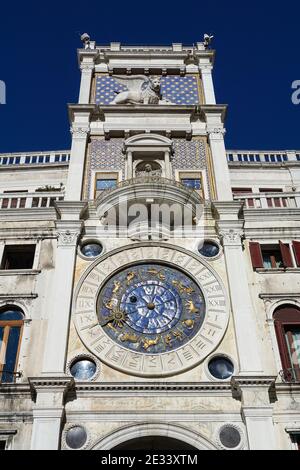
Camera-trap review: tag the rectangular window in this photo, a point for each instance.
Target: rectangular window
(230, 157)
(270, 256)
(193, 183)
(18, 257)
(107, 183)
(2, 445)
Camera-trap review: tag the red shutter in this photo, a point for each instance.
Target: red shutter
(282, 346)
(296, 246)
(256, 256)
(286, 255)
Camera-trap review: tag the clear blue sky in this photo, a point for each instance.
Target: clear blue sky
(258, 57)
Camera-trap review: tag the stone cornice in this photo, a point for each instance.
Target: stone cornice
(75, 109)
(155, 387)
(12, 390)
(50, 384)
(70, 210)
(239, 382)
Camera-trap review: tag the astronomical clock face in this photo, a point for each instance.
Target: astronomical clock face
(150, 310)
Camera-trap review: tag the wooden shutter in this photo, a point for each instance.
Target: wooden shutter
(296, 247)
(286, 255)
(282, 346)
(256, 256)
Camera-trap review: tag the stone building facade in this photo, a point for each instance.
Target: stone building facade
(150, 278)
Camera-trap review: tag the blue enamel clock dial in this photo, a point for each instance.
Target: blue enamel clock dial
(151, 308)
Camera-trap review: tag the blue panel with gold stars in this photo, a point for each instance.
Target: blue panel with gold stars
(175, 88)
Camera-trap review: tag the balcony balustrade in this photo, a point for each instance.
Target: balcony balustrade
(269, 200)
(29, 200)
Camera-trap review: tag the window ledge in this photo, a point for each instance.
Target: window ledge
(19, 272)
(276, 270)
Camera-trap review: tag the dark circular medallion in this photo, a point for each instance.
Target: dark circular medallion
(76, 437)
(230, 437)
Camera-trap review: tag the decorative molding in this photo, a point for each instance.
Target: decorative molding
(253, 381)
(51, 384)
(156, 387)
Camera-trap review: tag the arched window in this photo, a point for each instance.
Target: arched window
(11, 325)
(287, 326)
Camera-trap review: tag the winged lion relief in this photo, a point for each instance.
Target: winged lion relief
(140, 90)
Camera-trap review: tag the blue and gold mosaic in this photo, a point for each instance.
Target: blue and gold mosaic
(151, 308)
(175, 88)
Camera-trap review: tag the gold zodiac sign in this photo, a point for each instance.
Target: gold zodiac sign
(191, 306)
(110, 304)
(157, 273)
(129, 337)
(182, 288)
(189, 323)
(117, 319)
(178, 335)
(117, 286)
(168, 340)
(130, 276)
(150, 342)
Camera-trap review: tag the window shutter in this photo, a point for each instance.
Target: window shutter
(285, 360)
(296, 246)
(286, 255)
(256, 256)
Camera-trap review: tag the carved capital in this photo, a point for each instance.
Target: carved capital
(68, 237)
(216, 133)
(80, 132)
(87, 68)
(230, 236)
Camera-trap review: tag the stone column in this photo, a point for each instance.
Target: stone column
(86, 83)
(214, 116)
(87, 60)
(208, 86)
(168, 165)
(48, 411)
(68, 231)
(230, 230)
(129, 165)
(80, 132)
(257, 411)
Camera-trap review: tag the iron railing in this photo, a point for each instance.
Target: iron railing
(291, 375)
